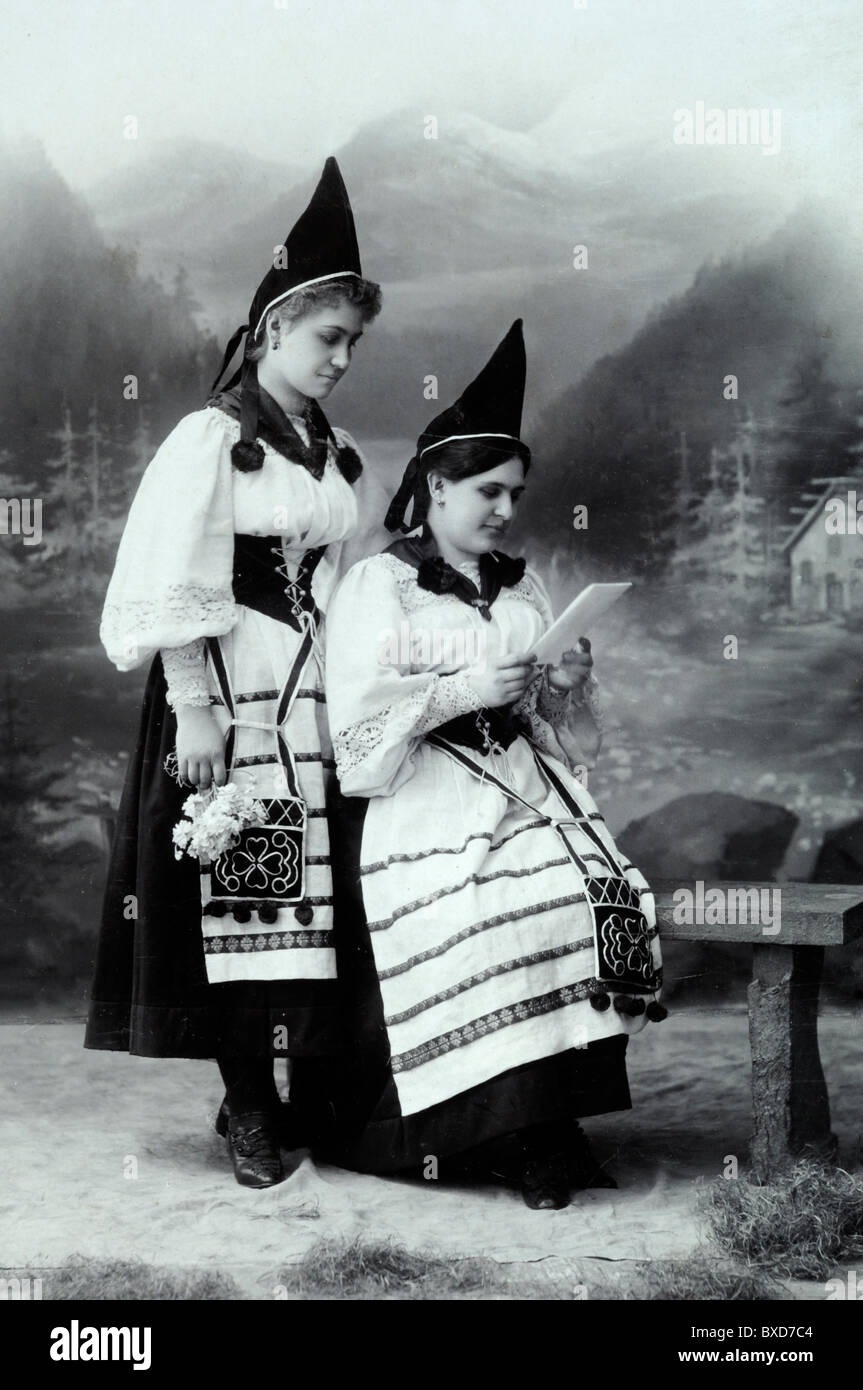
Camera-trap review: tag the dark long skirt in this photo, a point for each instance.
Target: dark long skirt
(150, 992)
(369, 1134)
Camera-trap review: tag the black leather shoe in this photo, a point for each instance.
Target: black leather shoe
(254, 1148)
(582, 1166)
(288, 1128)
(545, 1183)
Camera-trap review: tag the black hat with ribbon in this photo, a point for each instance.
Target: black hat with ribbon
(488, 411)
(321, 246)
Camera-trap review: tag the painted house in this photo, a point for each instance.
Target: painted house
(825, 552)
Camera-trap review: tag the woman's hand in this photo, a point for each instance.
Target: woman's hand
(574, 669)
(503, 679)
(200, 747)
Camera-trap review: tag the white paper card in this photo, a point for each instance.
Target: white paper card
(576, 621)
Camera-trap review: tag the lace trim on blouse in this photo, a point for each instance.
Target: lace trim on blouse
(213, 608)
(411, 716)
(412, 597)
(186, 674)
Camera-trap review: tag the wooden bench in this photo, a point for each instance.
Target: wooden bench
(791, 1108)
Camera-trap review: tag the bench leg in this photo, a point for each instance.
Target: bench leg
(789, 1094)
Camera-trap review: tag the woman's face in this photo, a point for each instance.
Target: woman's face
(314, 352)
(476, 512)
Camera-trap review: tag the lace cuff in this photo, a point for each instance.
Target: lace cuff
(390, 734)
(551, 705)
(539, 707)
(186, 674)
(450, 697)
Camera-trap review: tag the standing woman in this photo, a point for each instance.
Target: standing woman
(232, 547)
(496, 946)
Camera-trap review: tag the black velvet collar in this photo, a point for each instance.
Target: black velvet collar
(276, 429)
(496, 571)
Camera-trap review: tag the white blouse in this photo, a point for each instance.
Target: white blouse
(172, 583)
(393, 670)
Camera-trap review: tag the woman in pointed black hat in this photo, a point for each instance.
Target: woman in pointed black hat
(496, 945)
(216, 935)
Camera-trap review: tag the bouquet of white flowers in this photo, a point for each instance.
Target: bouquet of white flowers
(213, 820)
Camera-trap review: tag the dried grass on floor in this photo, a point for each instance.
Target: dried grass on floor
(132, 1281)
(337, 1268)
(703, 1277)
(383, 1268)
(800, 1226)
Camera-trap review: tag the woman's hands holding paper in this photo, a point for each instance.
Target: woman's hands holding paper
(502, 679)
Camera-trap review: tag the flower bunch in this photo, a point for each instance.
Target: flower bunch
(213, 820)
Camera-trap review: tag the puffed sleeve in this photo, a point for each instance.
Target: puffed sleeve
(379, 710)
(560, 721)
(172, 580)
(370, 536)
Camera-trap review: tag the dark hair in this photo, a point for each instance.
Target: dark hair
(364, 295)
(464, 458)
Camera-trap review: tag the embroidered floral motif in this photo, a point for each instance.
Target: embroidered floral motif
(261, 862)
(492, 1023)
(627, 947)
(273, 941)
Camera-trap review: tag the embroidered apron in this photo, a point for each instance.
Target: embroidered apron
(623, 959)
(257, 912)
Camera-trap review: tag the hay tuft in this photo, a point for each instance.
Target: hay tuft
(132, 1281)
(800, 1226)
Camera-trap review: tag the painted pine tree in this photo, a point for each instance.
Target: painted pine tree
(14, 555)
(84, 507)
(725, 563)
(25, 786)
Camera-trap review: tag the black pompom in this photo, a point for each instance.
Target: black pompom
(215, 909)
(656, 1012)
(247, 457)
(304, 914)
(350, 464)
(600, 1002)
(268, 913)
(242, 913)
(629, 1006)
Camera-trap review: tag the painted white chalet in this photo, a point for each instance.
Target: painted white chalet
(825, 551)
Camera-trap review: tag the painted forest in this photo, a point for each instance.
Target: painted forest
(682, 460)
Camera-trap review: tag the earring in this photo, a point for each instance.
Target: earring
(274, 344)
(439, 501)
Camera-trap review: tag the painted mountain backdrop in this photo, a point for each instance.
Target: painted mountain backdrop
(465, 231)
(116, 302)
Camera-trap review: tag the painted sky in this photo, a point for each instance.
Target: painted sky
(286, 79)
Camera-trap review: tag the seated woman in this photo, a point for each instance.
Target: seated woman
(495, 946)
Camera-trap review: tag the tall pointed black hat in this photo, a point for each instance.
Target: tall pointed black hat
(322, 245)
(488, 410)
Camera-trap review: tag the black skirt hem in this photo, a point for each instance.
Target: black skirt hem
(150, 1031)
(150, 994)
(572, 1085)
